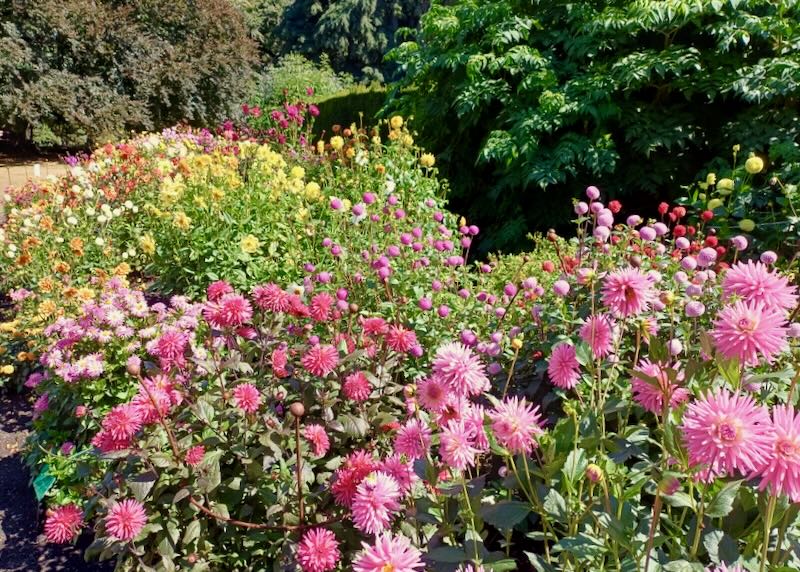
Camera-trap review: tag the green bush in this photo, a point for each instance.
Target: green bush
(293, 74)
(359, 105)
(88, 71)
(633, 95)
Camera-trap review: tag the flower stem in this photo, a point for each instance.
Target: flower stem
(767, 528)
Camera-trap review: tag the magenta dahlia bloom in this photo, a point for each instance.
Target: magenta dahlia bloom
(346, 479)
(564, 370)
(63, 523)
(433, 394)
(316, 435)
(194, 456)
(401, 470)
(598, 332)
(413, 439)
(126, 519)
(318, 551)
(123, 422)
(726, 433)
(247, 397)
(171, 347)
(457, 445)
(272, 297)
(375, 503)
(217, 290)
(460, 369)
(754, 282)
(627, 292)
(651, 395)
(745, 329)
(400, 339)
(230, 311)
(516, 423)
(357, 386)
(320, 360)
(320, 307)
(781, 473)
(389, 554)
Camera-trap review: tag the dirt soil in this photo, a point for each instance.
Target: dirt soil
(22, 545)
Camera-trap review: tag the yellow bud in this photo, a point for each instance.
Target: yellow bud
(711, 179)
(396, 122)
(754, 165)
(725, 186)
(516, 343)
(714, 204)
(747, 225)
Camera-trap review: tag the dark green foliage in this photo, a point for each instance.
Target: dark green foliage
(519, 97)
(359, 106)
(80, 71)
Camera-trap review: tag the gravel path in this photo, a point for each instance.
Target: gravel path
(22, 546)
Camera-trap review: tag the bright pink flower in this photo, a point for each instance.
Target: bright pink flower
(106, 443)
(627, 292)
(564, 370)
(320, 306)
(63, 523)
(746, 329)
(271, 297)
(433, 394)
(41, 404)
(346, 479)
(320, 360)
(651, 396)
(171, 347)
(516, 424)
(217, 290)
(598, 332)
(126, 519)
(318, 551)
(413, 439)
(754, 282)
(194, 456)
(375, 503)
(357, 387)
(247, 397)
(457, 445)
(316, 435)
(725, 433)
(374, 326)
(781, 473)
(459, 368)
(401, 471)
(400, 339)
(279, 360)
(389, 554)
(230, 311)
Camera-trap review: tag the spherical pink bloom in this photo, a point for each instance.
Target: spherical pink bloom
(627, 292)
(457, 445)
(561, 288)
(374, 326)
(320, 360)
(746, 329)
(564, 370)
(781, 473)
(271, 297)
(389, 554)
(725, 433)
(230, 311)
(279, 360)
(402, 471)
(320, 306)
(460, 369)
(123, 422)
(754, 282)
(194, 456)
(318, 551)
(598, 332)
(413, 439)
(400, 339)
(357, 386)
(125, 520)
(516, 423)
(375, 502)
(81, 411)
(346, 479)
(171, 347)
(217, 290)
(316, 435)
(433, 394)
(63, 523)
(651, 393)
(247, 397)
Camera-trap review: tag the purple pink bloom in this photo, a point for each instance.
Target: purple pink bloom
(375, 503)
(247, 397)
(357, 387)
(460, 369)
(316, 435)
(627, 292)
(413, 439)
(598, 332)
(457, 445)
(656, 385)
(125, 520)
(389, 554)
(746, 329)
(564, 370)
(754, 282)
(63, 523)
(516, 424)
(781, 472)
(318, 551)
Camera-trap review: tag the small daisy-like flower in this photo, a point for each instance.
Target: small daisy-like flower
(63, 523)
(563, 369)
(598, 332)
(516, 424)
(375, 503)
(194, 456)
(125, 520)
(247, 397)
(413, 439)
(627, 292)
(320, 360)
(457, 445)
(389, 554)
(781, 473)
(316, 435)
(457, 366)
(652, 396)
(754, 282)
(357, 387)
(746, 329)
(318, 551)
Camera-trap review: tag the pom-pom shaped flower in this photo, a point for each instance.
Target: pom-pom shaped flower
(346, 479)
(316, 435)
(457, 366)
(123, 422)
(230, 311)
(516, 423)
(375, 502)
(194, 456)
(400, 339)
(318, 551)
(627, 292)
(563, 369)
(389, 554)
(357, 387)
(247, 397)
(125, 520)
(63, 523)
(320, 360)
(655, 386)
(320, 307)
(746, 329)
(217, 290)
(755, 282)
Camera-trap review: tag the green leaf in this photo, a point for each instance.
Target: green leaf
(582, 546)
(721, 547)
(447, 554)
(575, 465)
(192, 532)
(722, 503)
(142, 484)
(43, 482)
(504, 515)
(556, 506)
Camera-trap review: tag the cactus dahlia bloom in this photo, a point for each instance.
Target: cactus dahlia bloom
(564, 369)
(389, 553)
(126, 519)
(375, 502)
(746, 329)
(318, 551)
(516, 423)
(63, 523)
(754, 282)
(627, 292)
(781, 474)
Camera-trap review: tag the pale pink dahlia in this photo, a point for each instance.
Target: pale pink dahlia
(389, 554)
(746, 329)
(656, 385)
(413, 439)
(598, 332)
(726, 433)
(516, 423)
(318, 551)
(375, 502)
(457, 366)
(433, 394)
(320, 360)
(627, 292)
(247, 397)
(357, 386)
(781, 473)
(316, 435)
(63, 523)
(564, 370)
(194, 456)
(126, 519)
(754, 282)
(457, 445)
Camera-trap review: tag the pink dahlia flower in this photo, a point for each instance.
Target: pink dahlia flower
(564, 370)
(389, 554)
(746, 329)
(402, 471)
(320, 307)
(433, 394)
(271, 297)
(413, 439)
(457, 366)
(400, 339)
(658, 386)
(375, 503)
(320, 360)
(516, 423)
(357, 387)
(316, 435)
(63, 523)
(346, 479)
(217, 290)
(126, 519)
(727, 433)
(781, 473)
(123, 422)
(230, 311)
(374, 326)
(194, 456)
(627, 292)
(457, 445)
(318, 551)
(279, 360)
(598, 332)
(754, 282)
(247, 397)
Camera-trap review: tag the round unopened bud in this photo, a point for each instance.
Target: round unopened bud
(594, 473)
(636, 261)
(297, 409)
(192, 558)
(551, 235)
(516, 343)
(134, 367)
(669, 485)
(353, 308)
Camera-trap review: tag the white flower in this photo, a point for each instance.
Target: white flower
(124, 256)
(90, 211)
(135, 209)
(88, 193)
(72, 220)
(99, 241)
(12, 247)
(117, 211)
(102, 219)
(59, 239)
(106, 208)
(128, 205)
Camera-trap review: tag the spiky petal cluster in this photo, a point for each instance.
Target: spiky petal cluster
(389, 554)
(320, 360)
(457, 445)
(413, 439)
(271, 297)
(627, 292)
(247, 397)
(357, 386)
(516, 423)
(460, 369)
(316, 435)
(346, 479)
(781, 473)
(318, 551)
(598, 332)
(375, 502)
(126, 519)
(63, 523)
(230, 311)
(755, 282)
(656, 384)
(744, 330)
(563, 369)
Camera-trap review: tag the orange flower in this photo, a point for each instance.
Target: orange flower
(61, 267)
(122, 269)
(46, 223)
(76, 245)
